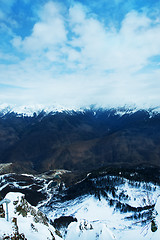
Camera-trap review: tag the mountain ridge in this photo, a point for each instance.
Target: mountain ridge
(79, 140)
(31, 110)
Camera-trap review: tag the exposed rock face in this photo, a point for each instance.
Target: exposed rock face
(2, 212)
(22, 207)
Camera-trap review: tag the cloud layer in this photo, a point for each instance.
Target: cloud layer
(73, 57)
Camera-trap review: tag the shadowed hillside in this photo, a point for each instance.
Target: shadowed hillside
(79, 140)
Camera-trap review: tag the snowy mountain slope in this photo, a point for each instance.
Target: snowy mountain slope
(30, 110)
(36, 189)
(126, 211)
(98, 207)
(84, 230)
(111, 226)
(25, 221)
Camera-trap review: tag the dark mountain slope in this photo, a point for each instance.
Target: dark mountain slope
(80, 140)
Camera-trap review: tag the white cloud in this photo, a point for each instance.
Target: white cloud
(127, 49)
(47, 33)
(8, 57)
(73, 58)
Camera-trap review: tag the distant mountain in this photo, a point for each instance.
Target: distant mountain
(79, 140)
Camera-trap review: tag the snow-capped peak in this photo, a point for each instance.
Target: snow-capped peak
(30, 110)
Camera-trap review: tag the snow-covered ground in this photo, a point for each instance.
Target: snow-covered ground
(107, 221)
(104, 220)
(98, 217)
(30, 222)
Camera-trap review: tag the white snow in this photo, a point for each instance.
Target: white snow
(86, 231)
(40, 232)
(105, 218)
(29, 110)
(97, 220)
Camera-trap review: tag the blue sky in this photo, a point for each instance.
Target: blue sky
(78, 53)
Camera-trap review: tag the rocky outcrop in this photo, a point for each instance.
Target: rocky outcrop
(25, 221)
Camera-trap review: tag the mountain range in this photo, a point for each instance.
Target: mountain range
(79, 140)
(89, 174)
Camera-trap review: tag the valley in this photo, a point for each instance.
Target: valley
(93, 174)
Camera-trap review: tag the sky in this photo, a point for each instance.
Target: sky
(77, 53)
